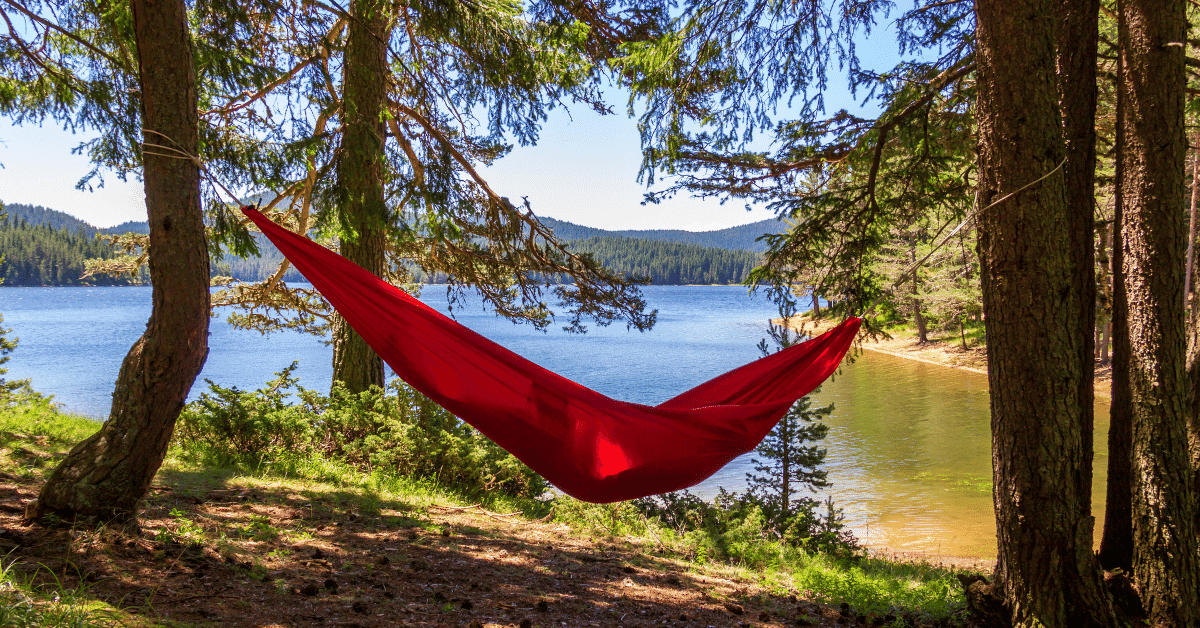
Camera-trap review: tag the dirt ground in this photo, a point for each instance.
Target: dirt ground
(272, 556)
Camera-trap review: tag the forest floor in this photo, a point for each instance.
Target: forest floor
(227, 547)
(942, 348)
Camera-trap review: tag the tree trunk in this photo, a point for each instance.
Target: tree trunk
(360, 171)
(105, 476)
(1191, 237)
(1038, 292)
(1154, 236)
(1104, 298)
(918, 318)
(1193, 351)
(1116, 542)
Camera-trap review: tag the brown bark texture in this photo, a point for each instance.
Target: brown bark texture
(1192, 302)
(1038, 292)
(104, 477)
(1116, 541)
(1154, 238)
(360, 172)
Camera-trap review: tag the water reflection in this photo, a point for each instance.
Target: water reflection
(910, 456)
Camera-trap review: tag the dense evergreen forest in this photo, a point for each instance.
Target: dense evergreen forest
(670, 263)
(38, 215)
(664, 263)
(740, 238)
(47, 255)
(45, 247)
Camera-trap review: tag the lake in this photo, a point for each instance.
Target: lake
(909, 443)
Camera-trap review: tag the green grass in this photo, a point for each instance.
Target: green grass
(34, 436)
(880, 586)
(24, 604)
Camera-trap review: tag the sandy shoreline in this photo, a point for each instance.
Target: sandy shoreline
(942, 349)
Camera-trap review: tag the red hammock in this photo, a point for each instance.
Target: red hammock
(588, 445)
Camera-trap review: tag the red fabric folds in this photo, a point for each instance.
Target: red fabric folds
(588, 445)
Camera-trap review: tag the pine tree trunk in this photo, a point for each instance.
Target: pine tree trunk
(1164, 503)
(360, 172)
(1038, 292)
(104, 477)
(1116, 541)
(1104, 293)
(918, 318)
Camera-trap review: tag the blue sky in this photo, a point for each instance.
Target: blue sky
(583, 170)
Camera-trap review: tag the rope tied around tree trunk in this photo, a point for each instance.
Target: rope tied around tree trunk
(178, 152)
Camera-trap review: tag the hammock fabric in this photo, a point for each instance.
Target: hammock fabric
(590, 446)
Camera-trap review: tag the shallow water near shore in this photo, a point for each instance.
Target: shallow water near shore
(909, 442)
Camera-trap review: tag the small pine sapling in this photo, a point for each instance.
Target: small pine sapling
(6, 347)
(788, 471)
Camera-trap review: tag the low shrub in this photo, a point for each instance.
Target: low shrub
(396, 431)
(740, 528)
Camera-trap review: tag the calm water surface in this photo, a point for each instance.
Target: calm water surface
(909, 444)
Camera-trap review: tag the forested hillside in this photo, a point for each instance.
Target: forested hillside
(670, 263)
(667, 257)
(742, 237)
(256, 268)
(38, 215)
(43, 255)
(665, 263)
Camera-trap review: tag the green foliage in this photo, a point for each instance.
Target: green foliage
(38, 215)
(40, 255)
(846, 183)
(661, 262)
(879, 586)
(15, 390)
(21, 606)
(740, 238)
(791, 464)
(396, 432)
(736, 527)
(670, 263)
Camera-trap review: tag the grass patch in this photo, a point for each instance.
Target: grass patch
(26, 603)
(256, 523)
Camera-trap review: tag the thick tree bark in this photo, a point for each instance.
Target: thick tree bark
(1154, 237)
(1116, 541)
(1038, 291)
(105, 476)
(360, 172)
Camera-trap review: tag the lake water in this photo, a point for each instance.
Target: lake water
(909, 443)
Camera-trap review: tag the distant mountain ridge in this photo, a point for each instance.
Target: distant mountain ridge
(740, 238)
(665, 256)
(38, 215)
